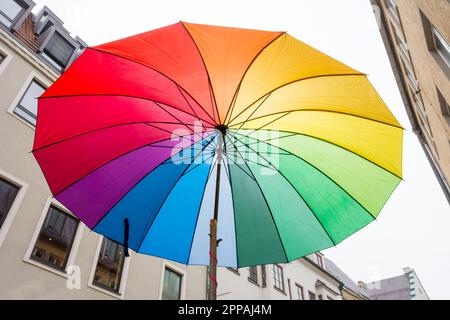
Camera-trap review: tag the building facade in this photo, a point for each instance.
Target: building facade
(45, 252)
(311, 278)
(404, 287)
(416, 34)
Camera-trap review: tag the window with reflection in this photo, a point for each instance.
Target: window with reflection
(59, 50)
(9, 11)
(8, 193)
(27, 107)
(171, 285)
(110, 262)
(55, 240)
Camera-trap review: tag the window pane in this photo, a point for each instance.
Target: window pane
(8, 193)
(2, 57)
(172, 285)
(27, 107)
(108, 273)
(59, 49)
(442, 46)
(253, 274)
(55, 239)
(9, 10)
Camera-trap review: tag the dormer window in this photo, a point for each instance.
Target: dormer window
(59, 51)
(10, 11)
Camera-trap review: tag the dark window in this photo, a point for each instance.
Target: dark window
(299, 292)
(445, 107)
(108, 272)
(8, 193)
(171, 285)
(55, 239)
(320, 297)
(9, 11)
(59, 50)
(27, 107)
(312, 295)
(2, 57)
(253, 274)
(278, 278)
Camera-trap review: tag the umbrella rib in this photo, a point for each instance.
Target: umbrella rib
(211, 89)
(126, 96)
(312, 211)
(265, 200)
(198, 212)
(162, 203)
(147, 66)
(326, 175)
(101, 129)
(291, 82)
(326, 141)
(236, 92)
(104, 164)
(317, 110)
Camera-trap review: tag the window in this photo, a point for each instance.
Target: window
(171, 285)
(441, 46)
(8, 193)
(393, 9)
(445, 107)
(278, 277)
(27, 107)
(108, 272)
(312, 295)
(320, 297)
(436, 42)
(2, 57)
(299, 292)
(59, 50)
(55, 239)
(9, 11)
(263, 276)
(319, 260)
(253, 274)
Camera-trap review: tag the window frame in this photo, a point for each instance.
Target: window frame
(24, 8)
(31, 76)
(75, 243)
(51, 59)
(281, 280)
(253, 275)
(8, 57)
(23, 187)
(182, 273)
(297, 287)
(435, 33)
(311, 294)
(120, 294)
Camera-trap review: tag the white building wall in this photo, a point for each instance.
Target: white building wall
(302, 272)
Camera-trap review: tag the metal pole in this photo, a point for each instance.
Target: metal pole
(213, 225)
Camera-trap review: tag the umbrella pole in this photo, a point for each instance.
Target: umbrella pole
(213, 226)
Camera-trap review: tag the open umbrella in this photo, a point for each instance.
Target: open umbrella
(205, 144)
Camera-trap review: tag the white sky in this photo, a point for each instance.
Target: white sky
(412, 229)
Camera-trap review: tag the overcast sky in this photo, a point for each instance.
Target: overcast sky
(412, 229)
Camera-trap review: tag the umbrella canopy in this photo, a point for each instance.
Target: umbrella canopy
(135, 131)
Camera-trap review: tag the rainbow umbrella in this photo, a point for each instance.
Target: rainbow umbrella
(204, 144)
